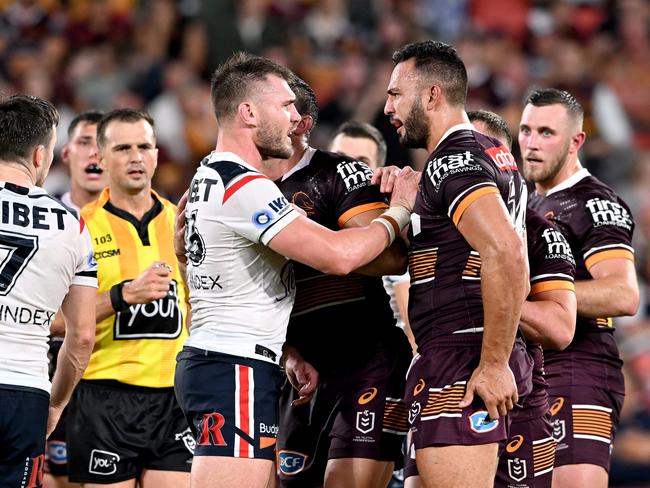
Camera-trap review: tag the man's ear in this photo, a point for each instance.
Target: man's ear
(38, 156)
(305, 125)
(65, 154)
(247, 113)
(434, 97)
(577, 140)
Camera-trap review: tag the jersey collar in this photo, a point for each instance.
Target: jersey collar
(227, 156)
(570, 181)
(304, 161)
(455, 128)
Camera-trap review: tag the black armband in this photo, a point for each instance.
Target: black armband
(117, 299)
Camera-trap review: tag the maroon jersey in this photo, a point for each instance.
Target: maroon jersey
(552, 267)
(598, 225)
(336, 320)
(445, 294)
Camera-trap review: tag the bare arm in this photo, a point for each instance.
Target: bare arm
(612, 292)
(549, 318)
(504, 286)
(401, 290)
(76, 349)
(392, 260)
(344, 251)
(58, 325)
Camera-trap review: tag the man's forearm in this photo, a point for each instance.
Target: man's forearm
(504, 286)
(545, 322)
(603, 297)
(72, 361)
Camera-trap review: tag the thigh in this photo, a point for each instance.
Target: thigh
(527, 460)
(106, 432)
(571, 475)
(230, 472)
(458, 466)
(231, 404)
(152, 478)
(584, 421)
(357, 473)
(23, 423)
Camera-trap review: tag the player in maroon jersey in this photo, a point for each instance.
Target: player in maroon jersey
(586, 385)
(471, 202)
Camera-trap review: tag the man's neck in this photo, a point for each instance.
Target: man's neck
(137, 204)
(16, 173)
(444, 120)
(569, 168)
(277, 168)
(241, 144)
(81, 197)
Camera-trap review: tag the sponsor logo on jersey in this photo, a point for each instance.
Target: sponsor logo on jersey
(480, 423)
(57, 452)
(419, 387)
(203, 282)
(354, 174)
(368, 396)
(194, 242)
(517, 469)
(557, 406)
(262, 219)
(606, 212)
(106, 254)
(268, 429)
(161, 318)
(502, 158)
(557, 245)
(365, 421)
(444, 166)
(515, 443)
(279, 205)
(187, 438)
(291, 462)
(103, 462)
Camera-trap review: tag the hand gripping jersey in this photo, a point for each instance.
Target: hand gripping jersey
(552, 267)
(445, 294)
(138, 346)
(44, 248)
(241, 291)
(336, 320)
(598, 225)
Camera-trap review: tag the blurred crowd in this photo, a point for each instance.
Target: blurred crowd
(158, 55)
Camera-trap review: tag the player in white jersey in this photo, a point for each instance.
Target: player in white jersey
(87, 180)
(46, 263)
(239, 228)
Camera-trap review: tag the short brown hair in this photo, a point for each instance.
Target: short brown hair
(122, 115)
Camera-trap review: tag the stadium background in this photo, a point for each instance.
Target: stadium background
(158, 55)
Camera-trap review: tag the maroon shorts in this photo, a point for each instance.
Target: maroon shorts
(584, 421)
(358, 415)
(436, 384)
(527, 460)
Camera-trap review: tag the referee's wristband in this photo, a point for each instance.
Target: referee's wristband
(394, 219)
(117, 299)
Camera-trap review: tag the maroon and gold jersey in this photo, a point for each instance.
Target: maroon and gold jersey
(552, 267)
(336, 320)
(598, 225)
(445, 294)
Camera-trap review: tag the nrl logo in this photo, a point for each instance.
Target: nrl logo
(517, 469)
(559, 430)
(414, 411)
(365, 421)
(187, 438)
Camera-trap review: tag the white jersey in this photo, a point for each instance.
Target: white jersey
(241, 291)
(44, 248)
(389, 285)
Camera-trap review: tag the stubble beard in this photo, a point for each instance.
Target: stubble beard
(547, 172)
(416, 130)
(270, 143)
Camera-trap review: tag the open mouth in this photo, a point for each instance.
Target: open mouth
(94, 169)
(396, 123)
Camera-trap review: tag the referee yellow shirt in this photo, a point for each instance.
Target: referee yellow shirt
(137, 346)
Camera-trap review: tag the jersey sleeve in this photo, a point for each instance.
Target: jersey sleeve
(86, 272)
(452, 182)
(552, 266)
(352, 192)
(257, 210)
(606, 228)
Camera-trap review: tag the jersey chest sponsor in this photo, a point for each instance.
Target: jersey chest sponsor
(354, 174)
(442, 167)
(606, 212)
(557, 246)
